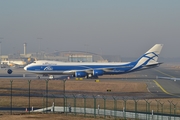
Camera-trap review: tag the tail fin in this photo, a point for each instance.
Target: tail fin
(150, 57)
(154, 52)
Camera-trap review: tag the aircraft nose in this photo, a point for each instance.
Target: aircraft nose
(25, 68)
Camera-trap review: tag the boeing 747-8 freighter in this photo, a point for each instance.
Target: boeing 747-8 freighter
(88, 70)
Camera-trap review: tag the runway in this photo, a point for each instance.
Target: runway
(168, 87)
(157, 87)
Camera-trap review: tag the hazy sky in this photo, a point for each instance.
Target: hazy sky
(119, 27)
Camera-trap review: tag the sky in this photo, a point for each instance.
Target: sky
(110, 27)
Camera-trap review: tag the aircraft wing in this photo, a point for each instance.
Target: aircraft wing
(88, 70)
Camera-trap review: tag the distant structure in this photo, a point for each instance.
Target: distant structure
(25, 45)
(64, 56)
(80, 58)
(75, 56)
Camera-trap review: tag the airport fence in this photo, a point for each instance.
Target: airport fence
(29, 96)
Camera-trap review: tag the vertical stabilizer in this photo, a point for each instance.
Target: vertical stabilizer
(154, 52)
(149, 58)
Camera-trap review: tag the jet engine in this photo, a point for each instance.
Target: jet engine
(98, 72)
(80, 74)
(9, 71)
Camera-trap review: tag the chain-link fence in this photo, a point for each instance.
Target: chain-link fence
(44, 96)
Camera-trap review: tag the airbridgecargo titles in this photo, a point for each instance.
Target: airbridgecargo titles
(88, 70)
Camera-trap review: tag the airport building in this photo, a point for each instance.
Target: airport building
(80, 58)
(74, 56)
(64, 56)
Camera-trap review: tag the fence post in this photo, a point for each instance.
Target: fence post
(94, 106)
(11, 81)
(43, 103)
(115, 107)
(104, 107)
(174, 106)
(53, 102)
(124, 108)
(29, 82)
(148, 109)
(157, 108)
(64, 92)
(84, 97)
(46, 94)
(135, 102)
(66, 103)
(161, 109)
(170, 105)
(74, 97)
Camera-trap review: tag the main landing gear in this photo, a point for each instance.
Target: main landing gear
(38, 77)
(51, 77)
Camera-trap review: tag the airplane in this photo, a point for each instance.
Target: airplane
(14, 63)
(9, 66)
(94, 69)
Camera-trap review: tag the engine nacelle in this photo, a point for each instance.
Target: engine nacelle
(9, 71)
(98, 72)
(80, 74)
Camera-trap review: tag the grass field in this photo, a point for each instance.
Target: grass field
(72, 85)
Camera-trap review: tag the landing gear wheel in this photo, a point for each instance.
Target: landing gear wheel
(89, 76)
(51, 77)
